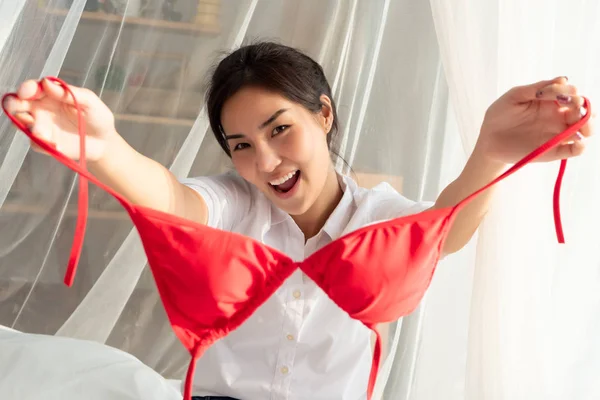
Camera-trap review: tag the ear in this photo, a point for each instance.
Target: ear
(326, 115)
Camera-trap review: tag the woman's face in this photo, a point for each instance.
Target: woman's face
(279, 146)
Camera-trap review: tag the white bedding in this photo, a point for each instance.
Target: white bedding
(43, 367)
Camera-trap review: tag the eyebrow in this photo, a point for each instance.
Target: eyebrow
(261, 126)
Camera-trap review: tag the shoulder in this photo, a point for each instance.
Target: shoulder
(228, 181)
(221, 188)
(382, 202)
(228, 197)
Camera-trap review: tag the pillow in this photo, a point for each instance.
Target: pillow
(52, 368)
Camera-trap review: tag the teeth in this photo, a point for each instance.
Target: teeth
(283, 179)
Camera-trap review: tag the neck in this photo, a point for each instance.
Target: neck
(313, 220)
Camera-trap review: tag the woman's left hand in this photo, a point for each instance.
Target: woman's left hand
(527, 116)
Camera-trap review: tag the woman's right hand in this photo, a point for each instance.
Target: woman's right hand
(51, 115)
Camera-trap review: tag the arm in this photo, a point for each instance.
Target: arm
(477, 173)
(146, 182)
(50, 111)
(514, 125)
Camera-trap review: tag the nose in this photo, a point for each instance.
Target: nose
(267, 158)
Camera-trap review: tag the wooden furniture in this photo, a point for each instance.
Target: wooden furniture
(203, 24)
(370, 180)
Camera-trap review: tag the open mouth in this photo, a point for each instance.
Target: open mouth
(286, 183)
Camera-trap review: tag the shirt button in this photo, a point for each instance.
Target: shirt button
(284, 370)
(290, 337)
(297, 294)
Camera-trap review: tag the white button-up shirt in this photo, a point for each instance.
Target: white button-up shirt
(298, 345)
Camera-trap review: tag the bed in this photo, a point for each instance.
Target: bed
(52, 368)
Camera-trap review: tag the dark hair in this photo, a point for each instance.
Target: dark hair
(271, 66)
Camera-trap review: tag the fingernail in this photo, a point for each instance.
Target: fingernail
(539, 94)
(562, 99)
(38, 92)
(10, 105)
(580, 137)
(566, 77)
(582, 111)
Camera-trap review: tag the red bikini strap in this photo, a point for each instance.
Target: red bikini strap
(79, 167)
(556, 202)
(375, 362)
(189, 377)
(555, 141)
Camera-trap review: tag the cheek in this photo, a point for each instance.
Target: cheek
(307, 147)
(244, 166)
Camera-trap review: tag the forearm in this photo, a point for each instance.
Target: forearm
(146, 182)
(477, 173)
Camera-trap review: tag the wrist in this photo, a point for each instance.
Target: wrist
(482, 166)
(116, 151)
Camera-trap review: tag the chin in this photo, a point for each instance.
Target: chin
(293, 207)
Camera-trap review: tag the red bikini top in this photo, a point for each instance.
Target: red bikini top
(210, 281)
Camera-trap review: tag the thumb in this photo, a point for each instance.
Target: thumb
(522, 94)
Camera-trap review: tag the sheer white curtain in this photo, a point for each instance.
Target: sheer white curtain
(534, 312)
(389, 63)
(10, 12)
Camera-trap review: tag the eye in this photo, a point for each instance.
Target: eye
(280, 129)
(240, 146)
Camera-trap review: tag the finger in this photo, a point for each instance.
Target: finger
(573, 111)
(25, 118)
(527, 93)
(577, 137)
(570, 150)
(42, 128)
(587, 130)
(562, 93)
(15, 105)
(56, 91)
(30, 90)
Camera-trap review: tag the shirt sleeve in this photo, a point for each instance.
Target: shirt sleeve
(228, 198)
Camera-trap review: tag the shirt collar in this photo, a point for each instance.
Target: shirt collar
(339, 218)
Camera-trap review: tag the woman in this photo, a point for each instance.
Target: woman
(272, 112)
